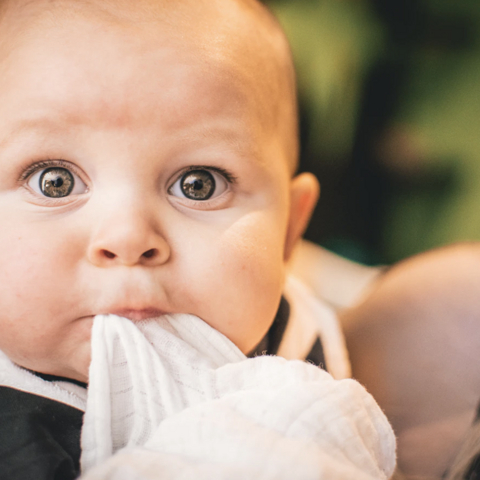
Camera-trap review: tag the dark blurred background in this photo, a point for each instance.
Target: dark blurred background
(389, 94)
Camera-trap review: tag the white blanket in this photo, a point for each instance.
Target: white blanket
(174, 399)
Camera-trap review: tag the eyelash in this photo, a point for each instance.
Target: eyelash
(64, 164)
(229, 177)
(43, 164)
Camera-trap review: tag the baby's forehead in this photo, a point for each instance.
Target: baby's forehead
(218, 21)
(233, 35)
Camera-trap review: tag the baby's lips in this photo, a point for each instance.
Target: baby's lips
(137, 314)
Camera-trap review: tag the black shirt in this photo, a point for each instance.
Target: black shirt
(39, 437)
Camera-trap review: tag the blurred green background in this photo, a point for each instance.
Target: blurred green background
(389, 112)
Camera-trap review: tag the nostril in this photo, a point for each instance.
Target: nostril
(108, 254)
(150, 253)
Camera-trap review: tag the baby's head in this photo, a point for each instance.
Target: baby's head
(147, 153)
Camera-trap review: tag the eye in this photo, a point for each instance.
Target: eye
(199, 184)
(56, 182)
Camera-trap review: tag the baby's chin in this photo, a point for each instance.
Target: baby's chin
(75, 363)
(81, 372)
(68, 371)
(77, 367)
(76, 370)
(73, 366)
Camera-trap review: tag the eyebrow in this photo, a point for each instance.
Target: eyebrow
(20, 127)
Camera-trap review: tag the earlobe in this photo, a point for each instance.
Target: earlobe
(304, 193)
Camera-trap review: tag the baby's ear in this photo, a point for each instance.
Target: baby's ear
(304, 193)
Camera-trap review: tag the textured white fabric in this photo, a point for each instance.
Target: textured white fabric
(18, 378)
(175, 399)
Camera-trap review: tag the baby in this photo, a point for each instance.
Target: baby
(143, 148)
(147, 160)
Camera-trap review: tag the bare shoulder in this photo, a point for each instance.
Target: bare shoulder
(457, 262)
(448, 276)
(413, 343)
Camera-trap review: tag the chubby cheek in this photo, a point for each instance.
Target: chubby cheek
(37, 278)
(241, 281)
(33, 270)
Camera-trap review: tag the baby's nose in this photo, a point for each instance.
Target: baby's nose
(119, 251)
(128, 240)
(131, 258)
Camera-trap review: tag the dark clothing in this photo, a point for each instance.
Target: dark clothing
(270, 343)
(473, 472)
(39, 437)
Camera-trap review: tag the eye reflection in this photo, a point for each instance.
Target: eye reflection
(198, 185)
(56, 182)
(201, 184)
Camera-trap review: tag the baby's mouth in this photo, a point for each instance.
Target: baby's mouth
(138, 314)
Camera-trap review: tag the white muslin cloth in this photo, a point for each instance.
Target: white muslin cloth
(172, 398)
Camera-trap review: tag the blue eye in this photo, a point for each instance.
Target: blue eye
(56, 182)
(201, 184)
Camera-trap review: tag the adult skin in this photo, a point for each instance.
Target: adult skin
(414, 344)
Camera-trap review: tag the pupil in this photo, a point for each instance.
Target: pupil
(56, 182)
(198, 184)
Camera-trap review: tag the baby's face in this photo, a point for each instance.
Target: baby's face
(137, 177)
